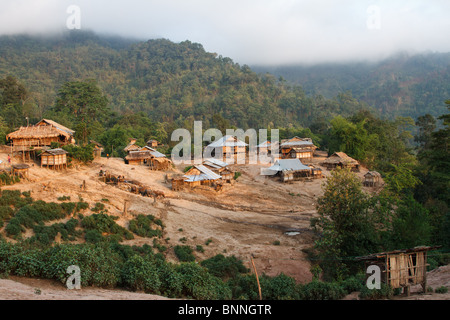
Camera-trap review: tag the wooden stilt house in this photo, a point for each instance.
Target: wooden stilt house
(28, 140)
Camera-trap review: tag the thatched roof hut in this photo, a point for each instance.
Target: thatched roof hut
(40, 135)
(372, 179)
(341, 160)
(137, 157)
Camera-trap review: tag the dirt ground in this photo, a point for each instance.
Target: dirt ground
(250, 218)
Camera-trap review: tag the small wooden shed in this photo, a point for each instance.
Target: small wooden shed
(98, 149)
(372, 179)
(152, 143)
(20, 169)
(401, 268)
(55, 158)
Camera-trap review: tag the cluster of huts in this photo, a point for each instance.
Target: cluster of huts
(146, 155)
(212, 173)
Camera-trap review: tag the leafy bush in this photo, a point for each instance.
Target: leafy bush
(319, 290)
(385, 292)
(98, 207)
(6, 213)
(184, 253)
(140, 274)
(280, 287)
(99, 265)
(104, 223)
(442, 289)
(15, 198)
(142, 226)
(199, 284)
(84, 154)
(93, 236)
(224, 267)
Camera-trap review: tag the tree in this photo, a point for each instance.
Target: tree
(346, 222)
(85, 103)
(12, 98)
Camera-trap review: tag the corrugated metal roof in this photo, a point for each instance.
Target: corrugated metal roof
(206, 174)
(215, 163)
(227, 141)
(289, 165)
(297, 143)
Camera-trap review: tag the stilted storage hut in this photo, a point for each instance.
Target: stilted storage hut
(54, 158)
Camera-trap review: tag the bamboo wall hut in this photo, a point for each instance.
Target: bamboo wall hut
(137, 157)
(54, 158)
(372, 179)
(39, 137)
(401, 268)
(300, 148)
(229, 148)
(341, 160)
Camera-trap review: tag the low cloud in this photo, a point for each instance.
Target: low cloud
(254, 31)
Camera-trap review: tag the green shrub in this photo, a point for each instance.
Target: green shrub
(140, 274)
(442, 289)
(93, 236)
(104, 223)
(142, 226)
(280, 287)
(99, 265)
(6, 213)
(199, 284)
(319, 290)
(385, 292)
(84, 154)
(98, 207)
(224, 267)
(184, 253)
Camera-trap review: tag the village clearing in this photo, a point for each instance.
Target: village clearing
(256, 216)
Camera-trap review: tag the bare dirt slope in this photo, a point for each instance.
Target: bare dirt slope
(248, 218)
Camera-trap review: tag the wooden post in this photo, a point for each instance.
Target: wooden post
(257, 278)
(125, 208)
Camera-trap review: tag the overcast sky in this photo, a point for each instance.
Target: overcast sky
(252, 31)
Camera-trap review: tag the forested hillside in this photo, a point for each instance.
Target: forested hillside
(165, 80)
(405, 85)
